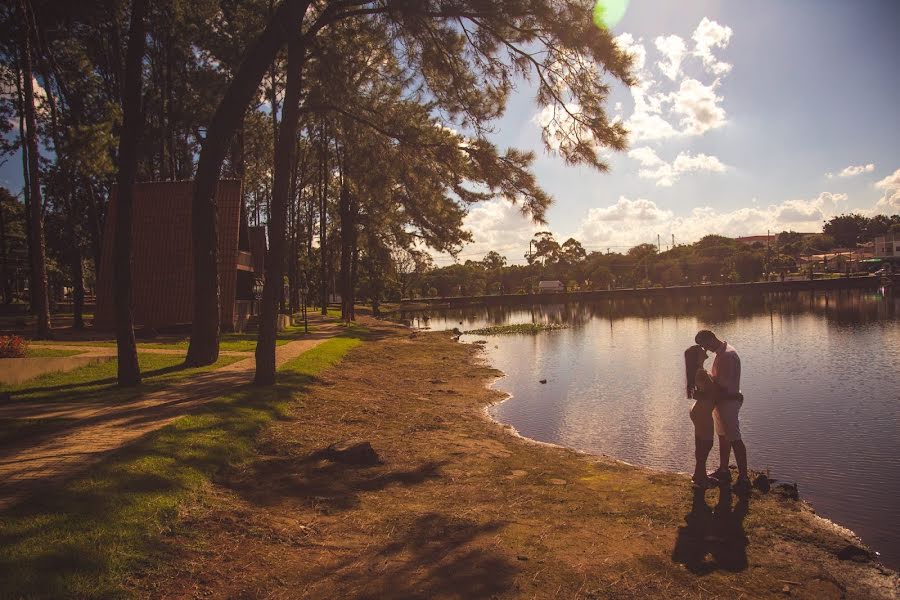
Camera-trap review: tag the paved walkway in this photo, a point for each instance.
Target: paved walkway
(96, 428)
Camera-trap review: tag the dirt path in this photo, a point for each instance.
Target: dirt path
(456, 507)
(92, 429)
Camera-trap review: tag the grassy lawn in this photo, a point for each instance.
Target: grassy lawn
(98, 380)
(83, 541)
(50, 352)
(232, 342)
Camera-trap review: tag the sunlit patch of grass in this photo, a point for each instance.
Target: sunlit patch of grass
(82, 541)
(98, 380)
(49, 353)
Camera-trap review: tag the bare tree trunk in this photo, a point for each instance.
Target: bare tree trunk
(323, 223)
(129, 372)
(94, 227)
(284, 159)
(348, 244)
(204, 346)
(26, 179)
(4, 259)
(38, 259)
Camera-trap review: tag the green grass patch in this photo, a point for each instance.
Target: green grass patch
(98, 380)
(83, 541)
(232, 342)
(50, 352)
(520, 328)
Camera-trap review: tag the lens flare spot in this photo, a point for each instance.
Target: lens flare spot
(608, 13)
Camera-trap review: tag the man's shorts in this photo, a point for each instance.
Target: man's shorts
(725, 416)
(701, 415)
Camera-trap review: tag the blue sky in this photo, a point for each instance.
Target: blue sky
(768, 100)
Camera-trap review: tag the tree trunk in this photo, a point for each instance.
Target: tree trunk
(354, 270)
(204, 345)
(26, 191)
(284, 159)
(129, 372)
(94, 227)
(4, 259)
(38, 260)
(323, 237)
(348, 244)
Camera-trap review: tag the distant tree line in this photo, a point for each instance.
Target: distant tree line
(714, 259)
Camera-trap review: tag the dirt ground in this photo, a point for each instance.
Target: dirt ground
(457, 507)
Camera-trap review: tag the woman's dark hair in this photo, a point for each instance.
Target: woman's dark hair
(691, 364)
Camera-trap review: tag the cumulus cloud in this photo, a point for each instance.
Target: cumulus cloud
(664, 173)
(698, 106)
(691, 109)
(673, 49)
(501, 226)
(630, 222)
(708, 35)
(889, 204)
(852, 171)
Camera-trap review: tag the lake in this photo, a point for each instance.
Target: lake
(821, 381)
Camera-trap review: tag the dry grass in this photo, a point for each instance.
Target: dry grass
(459, 508)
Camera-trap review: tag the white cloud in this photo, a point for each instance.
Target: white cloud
(707, 36)
(631, 222)
(699, 106)
(889, 204)
(673, 50)
(501, 226)
(852, 171)
(665, 174)
(692, 108)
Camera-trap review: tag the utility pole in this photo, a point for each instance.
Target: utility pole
(673, 240)
(658, 245)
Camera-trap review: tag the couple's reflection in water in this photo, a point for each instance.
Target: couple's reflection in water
(713, 537)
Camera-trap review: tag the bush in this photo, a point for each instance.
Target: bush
(12, 346)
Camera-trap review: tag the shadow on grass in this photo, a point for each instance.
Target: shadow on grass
(325, 484)
(106, 381)
(717, 533)
(84, 537)
(434, 555)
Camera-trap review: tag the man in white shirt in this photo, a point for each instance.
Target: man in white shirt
(726, 372)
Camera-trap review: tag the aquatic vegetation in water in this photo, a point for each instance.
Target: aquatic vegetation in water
(526, 328)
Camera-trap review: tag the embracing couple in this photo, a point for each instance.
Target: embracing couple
(717, 402)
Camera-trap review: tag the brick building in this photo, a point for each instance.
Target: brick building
(163, 267)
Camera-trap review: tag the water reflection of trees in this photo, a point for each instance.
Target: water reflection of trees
(846, 307)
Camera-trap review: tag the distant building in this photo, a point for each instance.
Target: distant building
(551, 286)
(163, 267)
(887, 246)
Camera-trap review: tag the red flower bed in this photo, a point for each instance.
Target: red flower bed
(12, 346)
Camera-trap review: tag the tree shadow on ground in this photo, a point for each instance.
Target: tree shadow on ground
(717, 533)
(86, 390)
(326, 484)
(434, 555)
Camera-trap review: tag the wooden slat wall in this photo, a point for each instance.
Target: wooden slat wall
(163, 255)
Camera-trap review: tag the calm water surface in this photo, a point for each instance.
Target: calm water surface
(821, 381)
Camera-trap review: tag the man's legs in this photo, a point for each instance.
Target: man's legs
(724, 453)
(740, 455)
